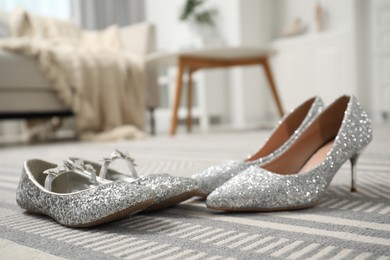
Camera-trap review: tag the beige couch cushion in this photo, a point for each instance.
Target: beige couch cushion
(18, 71)
(23, 88)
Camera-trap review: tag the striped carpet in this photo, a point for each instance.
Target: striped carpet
(343, 226)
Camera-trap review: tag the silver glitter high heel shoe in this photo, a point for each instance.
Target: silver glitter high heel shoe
(281, 138)
(74, 197)
(169, 190)
(301, 175)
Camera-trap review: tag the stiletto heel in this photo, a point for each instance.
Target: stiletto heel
(353, 161)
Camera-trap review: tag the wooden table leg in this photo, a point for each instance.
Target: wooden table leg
(189, 101)
(271, 81)
(179, 85)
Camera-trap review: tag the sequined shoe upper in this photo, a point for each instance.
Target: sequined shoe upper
(281, 138)
(301, 175)
(165, 186)
(74, 198)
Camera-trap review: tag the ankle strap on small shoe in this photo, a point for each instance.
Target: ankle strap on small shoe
(77, 166)
(114, 156)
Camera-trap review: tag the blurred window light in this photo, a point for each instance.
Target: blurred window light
(53, 8)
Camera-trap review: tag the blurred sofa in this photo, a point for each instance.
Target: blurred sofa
(26, 93)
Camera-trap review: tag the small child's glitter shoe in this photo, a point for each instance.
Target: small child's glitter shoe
(73, 196)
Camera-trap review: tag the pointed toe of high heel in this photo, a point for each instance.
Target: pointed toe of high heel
(169, 190)
(251, 190)
(216, 175)
(257, 189)
(218, 200)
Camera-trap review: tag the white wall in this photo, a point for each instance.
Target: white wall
(332, 62)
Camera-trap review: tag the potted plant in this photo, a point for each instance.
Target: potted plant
(193, 12)
(201, 21)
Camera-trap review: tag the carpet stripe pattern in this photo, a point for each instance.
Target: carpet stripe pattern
(343, 225)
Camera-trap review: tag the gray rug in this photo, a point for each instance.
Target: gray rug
(343, 226)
